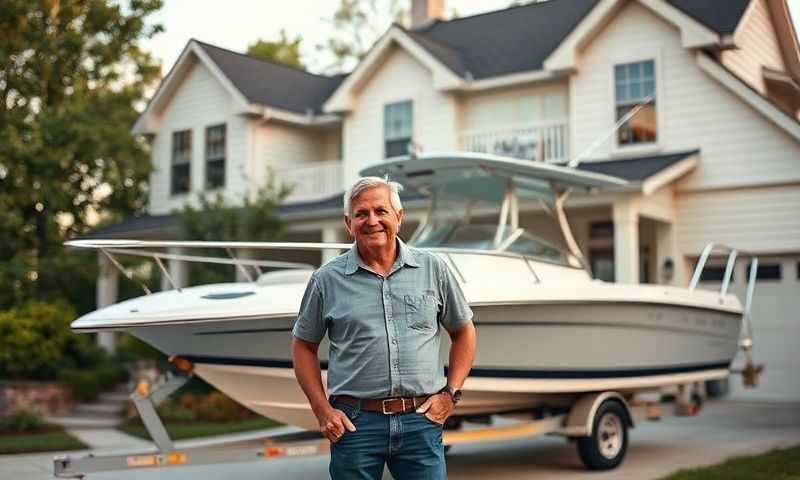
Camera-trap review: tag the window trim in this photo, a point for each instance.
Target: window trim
(224, 158)
(172, 164)
(634, 56)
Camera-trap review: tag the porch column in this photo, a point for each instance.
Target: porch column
(332, 235)
(106, 294)
(667, 255)
(626, 241)
(178, 270)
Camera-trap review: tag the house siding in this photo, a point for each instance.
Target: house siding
(739, 146)
(761, 220)
(201, 101)
(399, 78)
(515, 107)
(757, 45)
(281, 146)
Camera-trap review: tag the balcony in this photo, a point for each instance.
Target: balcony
(313, 181)
(543, 142)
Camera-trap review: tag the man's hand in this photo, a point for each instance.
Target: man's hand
(437, 407)
(333, 422)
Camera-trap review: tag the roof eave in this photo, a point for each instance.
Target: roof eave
(693, 33)
(343, 98)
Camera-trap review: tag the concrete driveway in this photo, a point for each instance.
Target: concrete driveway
(722, 430)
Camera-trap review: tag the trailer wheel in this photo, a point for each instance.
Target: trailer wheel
(606, 446)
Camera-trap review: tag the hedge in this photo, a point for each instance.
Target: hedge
(36, 342)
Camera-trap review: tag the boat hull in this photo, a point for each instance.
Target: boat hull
(529, 354)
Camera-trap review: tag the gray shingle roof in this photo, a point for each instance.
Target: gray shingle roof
(273, 84)
(635, 169)
(519, 39)
(722, 16)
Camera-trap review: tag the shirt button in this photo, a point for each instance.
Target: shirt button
(394, 340)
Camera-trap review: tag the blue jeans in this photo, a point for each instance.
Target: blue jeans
(409, 443)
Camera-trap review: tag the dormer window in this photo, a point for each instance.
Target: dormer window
(181, 162)
(215, 156)
(634, 83)
(397, 128)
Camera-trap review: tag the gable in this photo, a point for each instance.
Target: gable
(757, 46)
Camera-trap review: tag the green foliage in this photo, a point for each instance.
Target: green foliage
(36, 342)
(87, 385)
(21, 421)
(357, 24)
(284, 50)
(72, 74)
(217, 219)
(51, 440)
(775, 464)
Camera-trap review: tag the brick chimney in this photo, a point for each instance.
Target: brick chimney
(425, 11)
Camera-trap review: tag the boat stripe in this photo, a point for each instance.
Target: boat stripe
(698, 330)
(492, 372)
(250, 330)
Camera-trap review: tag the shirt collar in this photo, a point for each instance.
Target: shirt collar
(405, 256)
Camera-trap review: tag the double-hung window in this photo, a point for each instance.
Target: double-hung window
(397, 128)
(215, 156)
(635, 83)
(181, 162)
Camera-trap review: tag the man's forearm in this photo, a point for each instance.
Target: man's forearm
(309, 376)
(462, 353)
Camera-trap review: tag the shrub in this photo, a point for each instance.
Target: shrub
(216, 407)
(36, 342)
(21, 421)
(87, 385)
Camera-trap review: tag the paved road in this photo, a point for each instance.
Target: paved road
(722, 430)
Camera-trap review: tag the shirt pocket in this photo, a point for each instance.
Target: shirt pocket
(421, 312)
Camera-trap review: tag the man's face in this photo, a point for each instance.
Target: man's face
(373, 222)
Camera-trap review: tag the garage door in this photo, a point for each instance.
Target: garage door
(776, 329)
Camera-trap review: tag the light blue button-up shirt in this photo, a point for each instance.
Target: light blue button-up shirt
(384, 332)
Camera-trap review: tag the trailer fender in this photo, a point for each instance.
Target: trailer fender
(581, 416)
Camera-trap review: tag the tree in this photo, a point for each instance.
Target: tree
(217, 219)
(71, 72)
(284, 50)
(357, 24)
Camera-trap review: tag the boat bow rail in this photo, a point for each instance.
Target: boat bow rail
(750, 371)
(154, 251)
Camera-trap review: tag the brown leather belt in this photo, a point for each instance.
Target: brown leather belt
(387, 406)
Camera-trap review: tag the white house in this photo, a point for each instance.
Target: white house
(714, 156)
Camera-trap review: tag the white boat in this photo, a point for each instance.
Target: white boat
(547, 332)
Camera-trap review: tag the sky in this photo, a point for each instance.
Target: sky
(234, 24)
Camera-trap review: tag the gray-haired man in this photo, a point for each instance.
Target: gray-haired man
(382, 305)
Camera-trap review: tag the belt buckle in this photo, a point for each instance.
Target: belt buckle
(385, 401)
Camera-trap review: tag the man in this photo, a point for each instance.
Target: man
(382, 305)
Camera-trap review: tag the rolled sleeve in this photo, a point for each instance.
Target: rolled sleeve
(310, 325)
(455, 311)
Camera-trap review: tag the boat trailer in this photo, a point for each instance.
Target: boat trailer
(599, 422)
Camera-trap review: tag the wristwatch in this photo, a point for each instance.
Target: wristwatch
(455, 395)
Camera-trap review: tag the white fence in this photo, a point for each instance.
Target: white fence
(313, 181)
(545, 142)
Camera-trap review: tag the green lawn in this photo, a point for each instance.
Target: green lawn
(180, 431)
(774, 465)
(47, 441)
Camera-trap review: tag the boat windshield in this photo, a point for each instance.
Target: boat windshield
(475, 226)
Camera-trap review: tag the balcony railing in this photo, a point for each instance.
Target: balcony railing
(313, 181)
(544, 142)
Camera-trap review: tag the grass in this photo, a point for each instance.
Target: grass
(782, 464)
(181, 431)
(48, 440)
